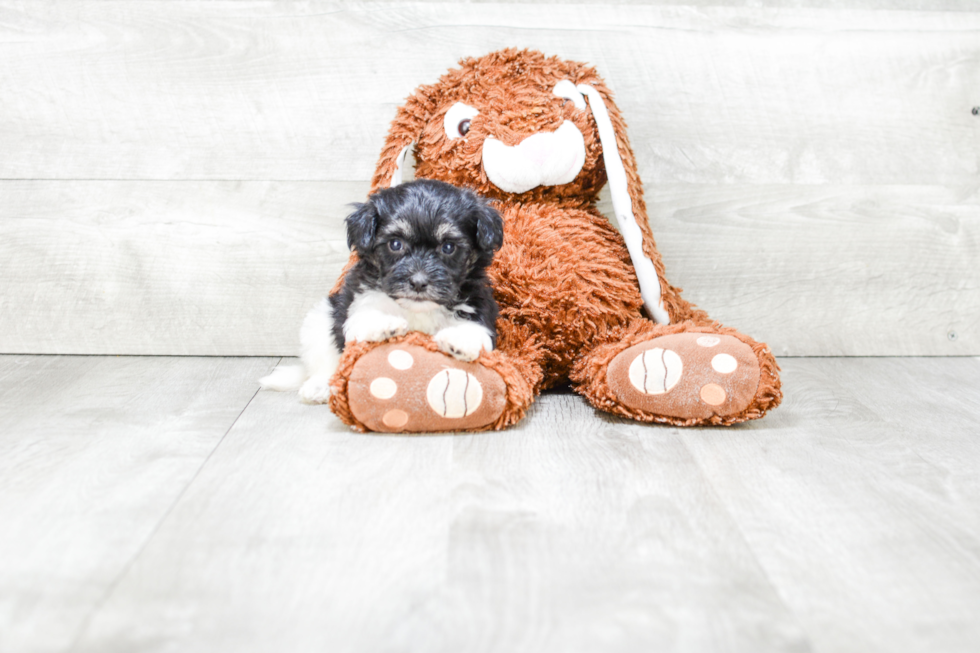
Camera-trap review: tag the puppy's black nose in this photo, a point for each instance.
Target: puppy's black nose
(419, 282)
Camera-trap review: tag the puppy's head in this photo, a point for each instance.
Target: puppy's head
(425, 240)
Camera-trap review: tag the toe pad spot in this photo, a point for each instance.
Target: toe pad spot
(454, 393)
(724, 363)
(656, 371)
(383, 388)
(400, 359)
(713, 394)
(395, 418)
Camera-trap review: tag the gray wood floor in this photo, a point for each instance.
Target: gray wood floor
(163, 504)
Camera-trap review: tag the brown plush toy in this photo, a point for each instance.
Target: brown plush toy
(541, 136)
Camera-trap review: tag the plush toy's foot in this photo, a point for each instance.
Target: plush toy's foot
(405, 388)
(686, 375)
(686, 378)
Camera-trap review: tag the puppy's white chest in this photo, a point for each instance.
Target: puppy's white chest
(427, 317)
(374, 316)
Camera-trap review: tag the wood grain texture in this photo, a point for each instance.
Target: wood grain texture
(166, 268)
(306, 537)
(569, 532)
(860, 499)
(577, 531)
(845, 521)
(220, 268)
(305, 91)
(93, 453)
(174, 174)
(907, 5)
(847, 270)
(890, 5)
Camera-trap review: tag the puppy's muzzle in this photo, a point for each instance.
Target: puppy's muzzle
(421, 279)
(419, 282)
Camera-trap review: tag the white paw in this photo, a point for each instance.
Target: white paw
(316, 390)
(464, 342)
(374, 328)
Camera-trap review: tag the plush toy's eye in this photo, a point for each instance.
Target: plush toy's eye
(395, 245)
(448, 248)
(457, 120)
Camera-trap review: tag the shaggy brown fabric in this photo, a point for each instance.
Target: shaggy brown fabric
(568, 294)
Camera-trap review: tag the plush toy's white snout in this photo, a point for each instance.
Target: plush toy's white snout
(544, 159)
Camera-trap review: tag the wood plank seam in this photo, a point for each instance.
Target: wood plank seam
(163, 518)
(748, 544)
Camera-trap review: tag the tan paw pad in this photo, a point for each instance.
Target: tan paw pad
(686, 376)
(408, 388)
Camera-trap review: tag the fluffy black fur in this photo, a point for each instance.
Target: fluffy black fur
(424, 240)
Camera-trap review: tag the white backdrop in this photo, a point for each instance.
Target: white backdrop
(174, 175)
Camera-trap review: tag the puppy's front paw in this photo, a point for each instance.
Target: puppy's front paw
(375, 329)
(464, 342)
(316, 390)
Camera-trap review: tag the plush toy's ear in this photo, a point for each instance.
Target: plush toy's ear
(489, 228)
(627, 197)
(404, 132)
(362, 225)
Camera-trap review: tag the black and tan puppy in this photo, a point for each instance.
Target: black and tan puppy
(423, 249)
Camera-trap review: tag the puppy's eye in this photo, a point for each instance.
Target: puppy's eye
(448, 248)
(395, 245)
(457, 120)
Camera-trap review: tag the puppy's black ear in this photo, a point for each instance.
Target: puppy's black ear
(362, 225)
(489, 228)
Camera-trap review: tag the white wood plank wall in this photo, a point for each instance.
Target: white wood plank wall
(173, 175)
